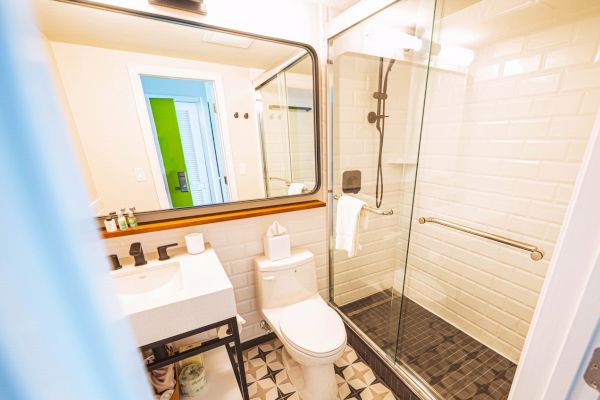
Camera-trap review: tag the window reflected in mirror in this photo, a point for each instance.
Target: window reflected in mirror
(169, 116)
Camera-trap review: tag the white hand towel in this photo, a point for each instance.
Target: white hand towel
(297, 188)
(349, 211)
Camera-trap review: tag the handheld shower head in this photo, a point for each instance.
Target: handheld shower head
(379, 119)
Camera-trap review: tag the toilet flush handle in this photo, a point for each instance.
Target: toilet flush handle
(269, 278)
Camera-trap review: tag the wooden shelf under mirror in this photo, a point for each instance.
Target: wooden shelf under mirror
(212, 218)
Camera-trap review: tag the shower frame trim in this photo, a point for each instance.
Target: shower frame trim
(409, 378)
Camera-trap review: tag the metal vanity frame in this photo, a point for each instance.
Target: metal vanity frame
(231, 342)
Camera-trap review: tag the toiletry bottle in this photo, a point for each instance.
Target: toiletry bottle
(131, 219)
(110, 224)
(121, 219)
(113, 216)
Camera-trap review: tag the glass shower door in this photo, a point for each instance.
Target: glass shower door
(377, 85)
(512, 95)
(495, 104)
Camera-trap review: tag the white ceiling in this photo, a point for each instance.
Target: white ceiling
(485, 21)
(77, 24)
(339, 5)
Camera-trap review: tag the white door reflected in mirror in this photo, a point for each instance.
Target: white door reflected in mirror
(152, 114)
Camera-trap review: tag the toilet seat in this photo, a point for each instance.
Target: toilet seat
(313, 328)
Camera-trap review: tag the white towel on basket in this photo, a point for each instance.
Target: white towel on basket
(350, 217)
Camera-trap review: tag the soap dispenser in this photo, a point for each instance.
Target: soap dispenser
(109, 224)
(121, 221)
(131, 219)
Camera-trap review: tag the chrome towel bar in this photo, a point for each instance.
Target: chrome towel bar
(535, 253)
(378, 211)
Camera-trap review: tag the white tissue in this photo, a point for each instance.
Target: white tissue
(275, 230)
(276, 243)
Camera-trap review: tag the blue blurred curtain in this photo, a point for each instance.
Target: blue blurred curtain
(62, 335)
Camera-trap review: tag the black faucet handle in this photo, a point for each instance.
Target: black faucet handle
(162, 251)
(138, 254)
(135, 249)
(114, 259)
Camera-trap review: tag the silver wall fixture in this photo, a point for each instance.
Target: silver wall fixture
(195, 6)
(378, 211)
(592, 372)
(535, 253)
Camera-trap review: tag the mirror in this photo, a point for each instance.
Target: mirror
(169, 116)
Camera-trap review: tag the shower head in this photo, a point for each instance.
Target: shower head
(381, 94)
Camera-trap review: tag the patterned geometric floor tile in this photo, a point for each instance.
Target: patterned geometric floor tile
(268, 379)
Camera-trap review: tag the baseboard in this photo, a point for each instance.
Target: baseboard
(258, 340)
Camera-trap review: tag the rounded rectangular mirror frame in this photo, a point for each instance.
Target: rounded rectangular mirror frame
(174, 218)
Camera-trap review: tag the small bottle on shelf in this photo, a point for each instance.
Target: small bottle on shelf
(110, 224)
(131, 219)
(122, 222)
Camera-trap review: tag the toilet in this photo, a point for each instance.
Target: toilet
(312, 333)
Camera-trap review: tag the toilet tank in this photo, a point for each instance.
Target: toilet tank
(283, 282)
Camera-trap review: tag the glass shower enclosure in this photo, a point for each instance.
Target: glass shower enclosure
(466, 122)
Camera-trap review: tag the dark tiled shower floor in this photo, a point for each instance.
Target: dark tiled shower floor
(454, 364)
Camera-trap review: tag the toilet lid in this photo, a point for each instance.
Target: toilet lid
(313, 327)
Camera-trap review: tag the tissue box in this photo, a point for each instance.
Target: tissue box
(277, 247)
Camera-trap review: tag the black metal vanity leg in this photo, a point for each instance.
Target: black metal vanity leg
(240, 359)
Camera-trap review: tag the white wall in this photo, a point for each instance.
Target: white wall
(100, 97)
(288, 136)
(501, 148)
(502, 143)
(356, 146)
(237, 243)
(563, 328)
(297, 20)
(68, 117)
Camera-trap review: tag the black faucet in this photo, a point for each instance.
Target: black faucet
(114, 260)
(138, 254)
(162, 251)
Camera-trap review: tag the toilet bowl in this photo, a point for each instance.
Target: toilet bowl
(312, 333)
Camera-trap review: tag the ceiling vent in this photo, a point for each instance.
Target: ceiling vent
(227, 39)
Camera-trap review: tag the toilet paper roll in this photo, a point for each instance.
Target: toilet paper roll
(194, 243)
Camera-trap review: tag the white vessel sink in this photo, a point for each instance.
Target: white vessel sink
(166, 298)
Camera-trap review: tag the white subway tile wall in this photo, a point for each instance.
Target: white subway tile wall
(501, 150)
(237, 243)
(356, 146)
(288, 136)
(502, 146)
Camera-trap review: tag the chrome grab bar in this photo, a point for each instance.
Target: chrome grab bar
(535, 253)
(378, 211)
